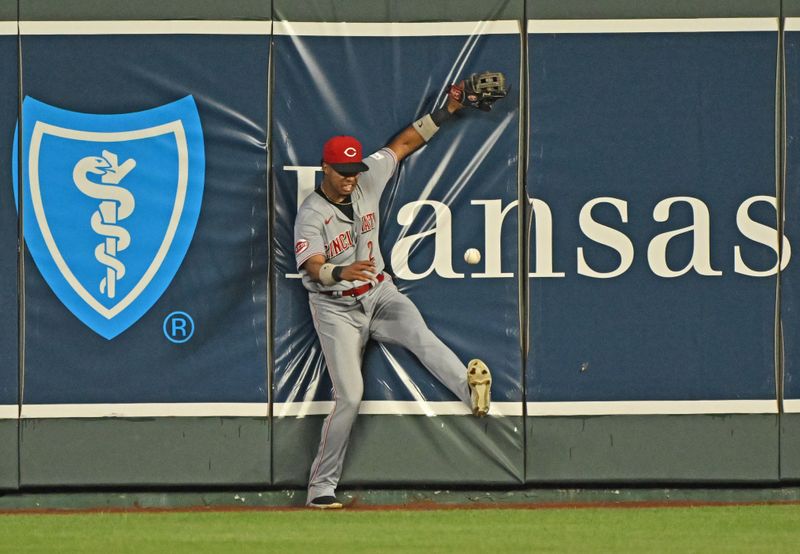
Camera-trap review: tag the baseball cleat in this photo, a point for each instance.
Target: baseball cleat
(479, 379)
(325, 503)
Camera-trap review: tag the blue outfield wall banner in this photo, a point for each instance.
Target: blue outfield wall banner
(456, 193)
(145, 201)
(9, 345)
(790, 279)
(150, 229)
(654, 244)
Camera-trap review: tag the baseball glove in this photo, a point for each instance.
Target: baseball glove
(480, 90)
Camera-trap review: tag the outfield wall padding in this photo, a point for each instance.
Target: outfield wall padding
(145, 452)
(790, 279)
(661, 140)
(9, 259)
(9, 461)
(184, 331)
(625, 197)
(636, 449)
(453, 188)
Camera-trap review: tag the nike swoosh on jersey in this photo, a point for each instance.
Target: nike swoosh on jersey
(328, 220)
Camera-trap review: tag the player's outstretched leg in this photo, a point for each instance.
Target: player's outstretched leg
(398, 321)
(479, 379)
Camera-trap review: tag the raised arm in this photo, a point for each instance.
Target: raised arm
(478, 91)
(418, 133)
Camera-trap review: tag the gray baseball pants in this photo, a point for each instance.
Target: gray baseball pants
(344, 326)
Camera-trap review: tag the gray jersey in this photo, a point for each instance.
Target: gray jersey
(345, 324)
(322, 229)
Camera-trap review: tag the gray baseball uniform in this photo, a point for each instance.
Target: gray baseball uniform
(345, 323)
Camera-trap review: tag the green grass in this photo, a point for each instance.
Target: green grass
(772, 529)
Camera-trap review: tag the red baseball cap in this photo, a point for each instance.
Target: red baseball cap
(344, 154)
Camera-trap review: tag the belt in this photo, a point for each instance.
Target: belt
(355, 291)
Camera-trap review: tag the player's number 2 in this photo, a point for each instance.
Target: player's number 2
(371, 257)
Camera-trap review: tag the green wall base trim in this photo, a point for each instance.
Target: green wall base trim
(411, 498)
(407, 450)
(651, 9)
(397, 10)
(556, 497)
(136, 500)
(654, 448)
(790, 446)
(391, 10)
(9, 469)
(145, 452)
(8, 10)
(114, 10)
(791, 8)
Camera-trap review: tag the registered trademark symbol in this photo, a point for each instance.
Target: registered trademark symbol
(178, 327)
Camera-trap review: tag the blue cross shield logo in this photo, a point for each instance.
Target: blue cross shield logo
(110, 204)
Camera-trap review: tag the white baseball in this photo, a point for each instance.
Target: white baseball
(472, 256)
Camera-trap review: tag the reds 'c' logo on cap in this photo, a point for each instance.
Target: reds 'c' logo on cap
(342, 150)
(344, 154)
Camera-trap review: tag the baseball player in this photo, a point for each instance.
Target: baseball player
(352, 298)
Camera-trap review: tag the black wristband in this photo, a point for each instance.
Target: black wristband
(337, 273)
(440, 116)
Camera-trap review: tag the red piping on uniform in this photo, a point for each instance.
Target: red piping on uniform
(394, 157)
